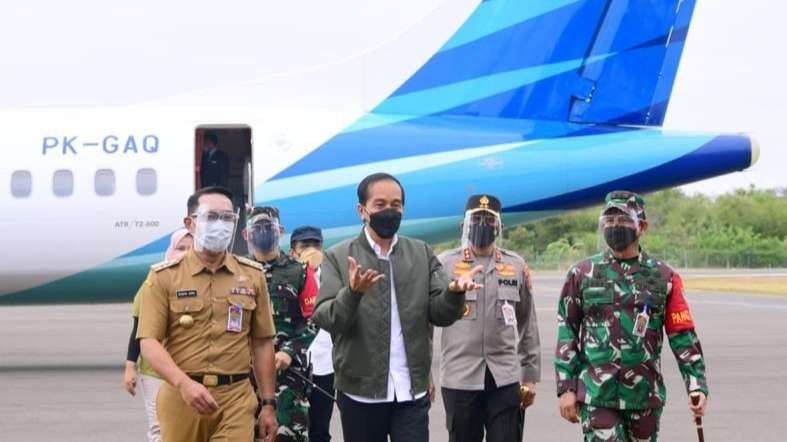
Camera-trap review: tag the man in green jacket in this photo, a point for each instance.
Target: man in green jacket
(380, 294)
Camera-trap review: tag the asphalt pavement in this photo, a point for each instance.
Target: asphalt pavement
(61, 373)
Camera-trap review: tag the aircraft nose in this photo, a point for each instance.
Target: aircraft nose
(754, 146)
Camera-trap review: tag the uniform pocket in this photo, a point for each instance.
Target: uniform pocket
(186, 305)
(247, 304)
(598, 295)
(596, 342)
(470, 310)
(507, 295)
(597, 302)
(655, 302)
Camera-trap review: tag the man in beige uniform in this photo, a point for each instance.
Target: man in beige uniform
(491, 357)
(210, 309)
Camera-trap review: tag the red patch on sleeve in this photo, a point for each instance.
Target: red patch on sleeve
(678, 316)
(528, 278)
(309, 293)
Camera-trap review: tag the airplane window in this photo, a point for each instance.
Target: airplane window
(21, 183)
(105, 182)
(63, 183)
(146, 181)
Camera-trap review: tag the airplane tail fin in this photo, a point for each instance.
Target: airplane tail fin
(594, 61)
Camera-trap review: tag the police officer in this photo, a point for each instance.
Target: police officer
(612, 311)
(491, 358)
(211, 311)
(293, 290)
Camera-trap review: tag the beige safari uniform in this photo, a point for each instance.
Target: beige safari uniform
(181, 291)
(482, 339)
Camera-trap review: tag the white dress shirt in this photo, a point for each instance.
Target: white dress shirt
(321, 348)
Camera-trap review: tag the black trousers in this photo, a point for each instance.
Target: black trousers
(321, 409)
(403, 421)
(494, 409)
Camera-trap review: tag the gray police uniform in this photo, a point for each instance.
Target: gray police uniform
(485, 356)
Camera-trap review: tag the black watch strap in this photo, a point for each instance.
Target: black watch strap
(271, 402)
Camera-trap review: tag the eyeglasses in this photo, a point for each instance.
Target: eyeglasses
(617, 220)
(213, 216)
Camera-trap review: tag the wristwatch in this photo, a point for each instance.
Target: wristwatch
(271, 402)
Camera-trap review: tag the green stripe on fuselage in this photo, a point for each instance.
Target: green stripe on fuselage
(115, 281)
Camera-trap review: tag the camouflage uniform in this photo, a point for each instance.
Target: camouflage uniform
(293, 291)
(616, 374)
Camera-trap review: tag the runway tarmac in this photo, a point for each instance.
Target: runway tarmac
(60, 373)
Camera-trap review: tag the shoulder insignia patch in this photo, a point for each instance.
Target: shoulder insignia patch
(528, 277)
(165, 264)
(248, 262)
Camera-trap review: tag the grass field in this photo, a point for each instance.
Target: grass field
(775, 285)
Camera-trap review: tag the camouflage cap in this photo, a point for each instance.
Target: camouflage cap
(626, 201)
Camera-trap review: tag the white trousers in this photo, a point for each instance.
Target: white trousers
(150, 386)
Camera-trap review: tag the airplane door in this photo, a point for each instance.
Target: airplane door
(223, 157)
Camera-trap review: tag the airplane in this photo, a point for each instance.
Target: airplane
(547, 104)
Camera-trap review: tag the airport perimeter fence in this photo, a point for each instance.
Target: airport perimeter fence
(708, 259)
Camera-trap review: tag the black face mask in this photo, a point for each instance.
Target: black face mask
(482, 235)
(264, 240)
(619, 237)
(385, 223)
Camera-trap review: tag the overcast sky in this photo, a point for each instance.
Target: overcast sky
(732, 78)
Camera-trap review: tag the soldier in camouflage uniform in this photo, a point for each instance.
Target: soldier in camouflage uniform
(612, 313)
(293, 291)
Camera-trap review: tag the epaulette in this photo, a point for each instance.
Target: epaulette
(249, 262)
(513, 254)
(166, 264)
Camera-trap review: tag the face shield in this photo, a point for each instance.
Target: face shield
(481, 230)
(263, 233)
(618, 228)
(214, 230)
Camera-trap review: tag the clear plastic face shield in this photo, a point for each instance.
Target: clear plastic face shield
(214, 231)
(263, 234)
(482, 231)
(618, 227)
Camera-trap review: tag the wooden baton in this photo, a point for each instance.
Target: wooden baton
(695, 400)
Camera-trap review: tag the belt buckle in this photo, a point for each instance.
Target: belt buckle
(210, 380)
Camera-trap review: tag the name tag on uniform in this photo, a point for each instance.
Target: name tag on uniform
(186, 293)
(235, 318)
(509, 315)
(641, 323)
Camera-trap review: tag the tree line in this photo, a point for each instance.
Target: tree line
(742, 228)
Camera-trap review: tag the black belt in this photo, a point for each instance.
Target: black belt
(215, 380)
